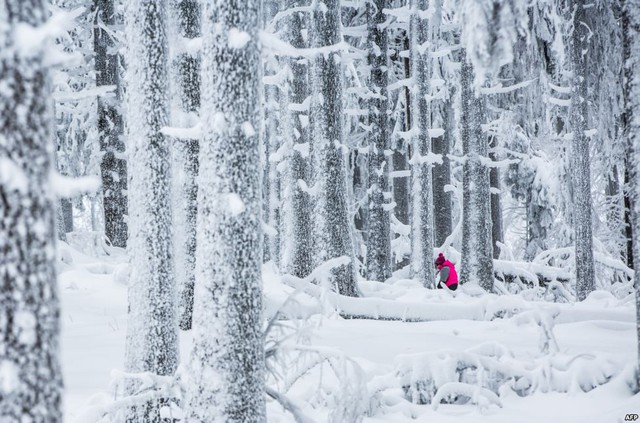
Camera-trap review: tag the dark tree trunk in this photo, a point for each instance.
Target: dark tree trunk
(442, 206)
(296, 222)
(113, 165)
(581, 162)
(497, 236)
(477, 254)
(185, 161)
(631, 57)
(333, 224)
(378, 259)
(30, 325)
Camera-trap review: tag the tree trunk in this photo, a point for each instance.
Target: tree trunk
(379, 230)
(227, 361)
(185, 160)
(442, 206)
(497, 236)
(296, 221)
(30, 324)
(113, 166)
(477, 257)
(628, 226)
(272, 137)
(581, 162)
(152, 333)
(421, 170)
(333, 224)
(631, 57)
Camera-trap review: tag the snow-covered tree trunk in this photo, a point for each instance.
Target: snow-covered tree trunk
(30, 324)
(271, 139)
(378, 259)
(113, 166)
(333, 226)
(477, 254)
(442, 207)
(581, 162)
(296, 221)
(631, 93)
(497, 235)
(227, 360)
(152, 332)
(186, 68)
(421, 168)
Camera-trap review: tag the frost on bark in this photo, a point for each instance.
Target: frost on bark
(497, 236)
(442, 206)
(296, 221)
(421, 177)
(333, 225)
(29, 307)
(270, 143)
(152, 333)
(113, 166)
(477, 253)
(186, 67)
(227, 360)
(378, 259)
(631, 93)
(581, 162)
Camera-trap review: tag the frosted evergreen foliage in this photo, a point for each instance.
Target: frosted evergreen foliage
(421, 168)
(29, 324)
(333, 226)
(379, 230)
(477, 252)
(296, 222)
(581, 163)
(227, 361)
(152, 339)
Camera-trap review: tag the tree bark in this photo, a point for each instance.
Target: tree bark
(422, 267)
(227, 361)
(113, 166)
(152, 332)
(581, 162)
(185, 160)
(442, 206)
(30, 323)
(497, 235)
(333, 225)
(378, 258)
(477, 257)
(296, 221)
(631, 93)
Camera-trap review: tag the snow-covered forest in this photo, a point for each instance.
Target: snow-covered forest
(335, 211)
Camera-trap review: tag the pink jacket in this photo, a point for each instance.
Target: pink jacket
(453, 275)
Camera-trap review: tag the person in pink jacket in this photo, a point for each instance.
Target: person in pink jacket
(447, 273)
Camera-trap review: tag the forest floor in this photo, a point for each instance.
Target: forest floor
(367, 362)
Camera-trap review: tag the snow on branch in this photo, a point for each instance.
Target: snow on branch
(559, 101)
(69, 187)
(101, 91)
(500, 89)
(275, 45)
(193, 133)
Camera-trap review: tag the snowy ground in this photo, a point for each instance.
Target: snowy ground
(595, 340)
